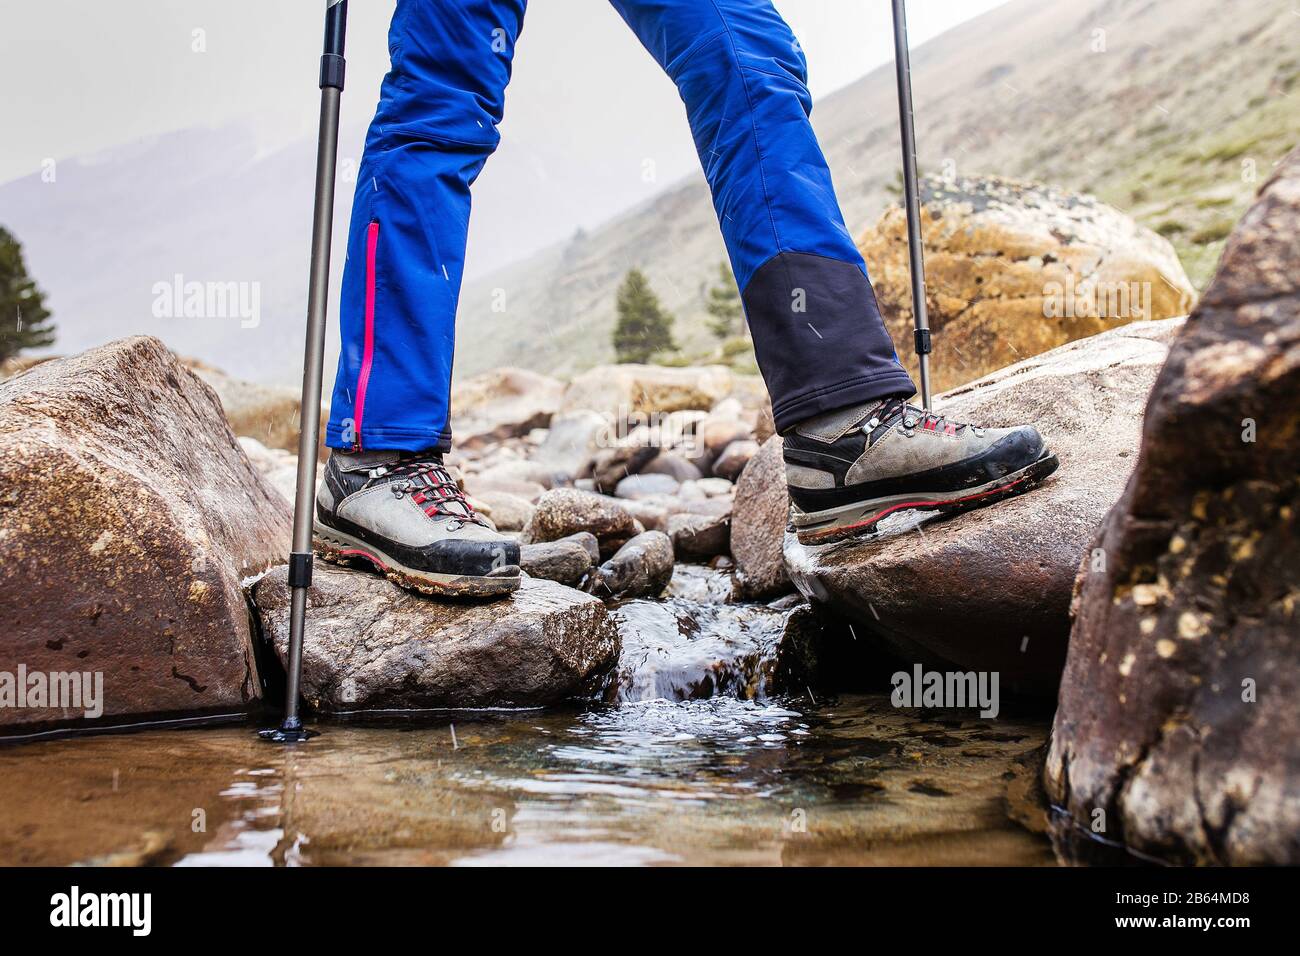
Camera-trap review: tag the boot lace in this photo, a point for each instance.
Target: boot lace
(914, 416)
(432, 487)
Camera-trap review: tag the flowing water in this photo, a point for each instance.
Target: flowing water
(667, 774)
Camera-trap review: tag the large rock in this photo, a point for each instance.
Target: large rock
(268, 413)
(503, 403)
(567, 511)
(1179, 718)
(1014, 269)
(572, 441)
(631, 390)
(128, 517)
(758, 521)
(990, 589)
(373, 645)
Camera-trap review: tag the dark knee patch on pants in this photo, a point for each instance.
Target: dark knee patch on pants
(819, 336)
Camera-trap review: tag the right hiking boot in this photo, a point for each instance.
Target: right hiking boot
(404, 514)
(849, 469)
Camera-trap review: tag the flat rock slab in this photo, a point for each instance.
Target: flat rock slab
(990, 589)
(371, 645)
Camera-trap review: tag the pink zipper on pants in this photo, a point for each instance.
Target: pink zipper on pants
(368, 350)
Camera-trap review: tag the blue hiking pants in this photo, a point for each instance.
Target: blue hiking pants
(817, 330)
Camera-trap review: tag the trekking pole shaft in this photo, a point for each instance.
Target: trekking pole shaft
(916, 256)
(300, 560)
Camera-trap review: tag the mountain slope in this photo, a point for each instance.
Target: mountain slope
(1165, 113)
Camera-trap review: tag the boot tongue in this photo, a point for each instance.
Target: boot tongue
(366, 460)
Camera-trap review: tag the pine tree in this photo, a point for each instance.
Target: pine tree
(24, 320)
(643, 329)
(724, 305)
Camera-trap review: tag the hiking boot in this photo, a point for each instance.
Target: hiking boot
(850, 468)
(404, 514)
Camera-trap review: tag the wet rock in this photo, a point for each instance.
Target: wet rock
(990, 589)
(268, 413)
(566, 511)
(503, 403)
(571, 442)
(509, 512)
(1014, 269)
(629, 390)
(645, 486)
(566, 560)
(734, 458)
(641, 568)
(698, 537)
(673, 465)
(373, 645)
(130, 515)
(758, 524)
(1179, 717)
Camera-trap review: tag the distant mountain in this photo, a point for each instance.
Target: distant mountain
(1164, 108)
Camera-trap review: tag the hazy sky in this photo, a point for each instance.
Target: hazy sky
(80, 76)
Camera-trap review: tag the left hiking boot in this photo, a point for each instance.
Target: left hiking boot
(849, 469)
(405, 515)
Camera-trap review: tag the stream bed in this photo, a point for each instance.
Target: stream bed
(680, 766)
(718, 781)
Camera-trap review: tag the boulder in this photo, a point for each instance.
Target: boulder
(268, 413)
(503, 403)
(646, 486)
(572, 441)
(641, 568)
(1014, 269)
(629, 391)
(1178, 723)
(990, 589)
(565, 560)
(566, 511)
(759, 517)
(734, 458)
(128, 517)
(373, 645)
(698, 537)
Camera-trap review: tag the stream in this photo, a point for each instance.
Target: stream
(678, 767)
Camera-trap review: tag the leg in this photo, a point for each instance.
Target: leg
(855, 451)
(386, 500)
(817, 330)
(434, 129)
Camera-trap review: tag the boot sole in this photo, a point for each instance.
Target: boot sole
(847, 521)
(343, 549)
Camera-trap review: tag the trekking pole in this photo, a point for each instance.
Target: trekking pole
(300, 558)
(915, 253)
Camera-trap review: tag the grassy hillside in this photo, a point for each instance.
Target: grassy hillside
(1164, 108)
